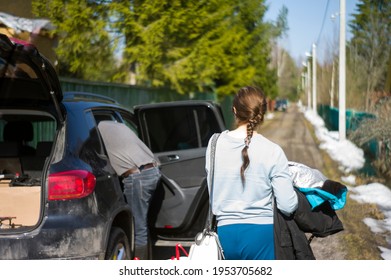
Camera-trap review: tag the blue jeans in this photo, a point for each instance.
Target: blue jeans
(138, 190)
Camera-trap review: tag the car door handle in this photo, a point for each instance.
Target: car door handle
(172, 157)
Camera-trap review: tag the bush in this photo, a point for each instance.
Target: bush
(378, 130)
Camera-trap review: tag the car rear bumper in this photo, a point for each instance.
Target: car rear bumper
(56, 241)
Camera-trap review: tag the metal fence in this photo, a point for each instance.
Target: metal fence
(330, 115)
(130, 96)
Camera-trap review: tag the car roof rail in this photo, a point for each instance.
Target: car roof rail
(74, 95)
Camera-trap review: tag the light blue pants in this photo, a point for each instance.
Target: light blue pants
(247, 241)
(138, 190)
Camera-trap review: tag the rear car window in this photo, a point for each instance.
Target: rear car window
(43, 128)
(26, 139)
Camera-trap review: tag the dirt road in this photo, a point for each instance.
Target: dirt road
(288, 129)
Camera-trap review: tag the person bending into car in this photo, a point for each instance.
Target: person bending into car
(135, 163)
(249, 172)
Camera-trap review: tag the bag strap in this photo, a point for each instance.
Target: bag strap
(211, 178)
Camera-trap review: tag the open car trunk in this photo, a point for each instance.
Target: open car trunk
(30, 97)
(25, 145)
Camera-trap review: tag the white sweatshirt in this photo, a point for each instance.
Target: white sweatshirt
(267, 176)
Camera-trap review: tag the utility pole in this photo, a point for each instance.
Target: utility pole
(304, 83)
(314, 78)
(332, 86)
(342, 73)
(309, 79)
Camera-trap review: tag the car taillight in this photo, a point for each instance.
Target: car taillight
(71, 184)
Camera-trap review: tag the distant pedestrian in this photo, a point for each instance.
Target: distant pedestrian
(250, 171)
(135, 163)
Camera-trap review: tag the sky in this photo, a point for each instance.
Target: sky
(305, 21)
(350, 158)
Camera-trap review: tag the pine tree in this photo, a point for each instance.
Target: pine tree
(197, 45)
(370, 46)
(85, 49)
(190, 46)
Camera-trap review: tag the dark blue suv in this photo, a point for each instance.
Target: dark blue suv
(59, 196)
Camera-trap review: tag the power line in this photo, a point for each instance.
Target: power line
(324, 19)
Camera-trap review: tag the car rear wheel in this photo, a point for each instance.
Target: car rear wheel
(118, 247)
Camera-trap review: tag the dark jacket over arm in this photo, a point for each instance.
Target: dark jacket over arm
(290, 238)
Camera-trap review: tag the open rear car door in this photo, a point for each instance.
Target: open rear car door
(178, 134)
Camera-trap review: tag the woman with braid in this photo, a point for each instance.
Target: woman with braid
(249, 172)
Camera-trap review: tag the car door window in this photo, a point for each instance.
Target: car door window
(115, 116)
(127, 120)
(104, 116)
(181, 128)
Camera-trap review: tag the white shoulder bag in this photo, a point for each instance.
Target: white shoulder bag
(207, 245)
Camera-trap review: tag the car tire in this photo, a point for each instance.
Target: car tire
(118, 247)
